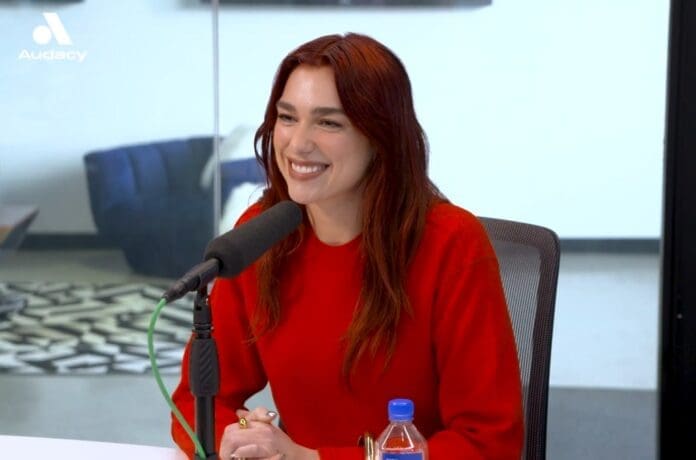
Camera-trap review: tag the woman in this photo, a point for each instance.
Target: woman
(385, 291)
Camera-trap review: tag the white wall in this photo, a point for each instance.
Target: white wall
(545, 111)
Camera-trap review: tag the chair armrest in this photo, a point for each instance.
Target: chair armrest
(236, 172)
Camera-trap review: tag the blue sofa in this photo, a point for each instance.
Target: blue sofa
(147, 200)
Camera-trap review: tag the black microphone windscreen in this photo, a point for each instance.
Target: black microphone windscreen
(240, 247)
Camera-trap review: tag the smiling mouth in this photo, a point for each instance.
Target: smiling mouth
(307, 168)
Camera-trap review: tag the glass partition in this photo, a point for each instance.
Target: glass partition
(539, 112)
(107, 111)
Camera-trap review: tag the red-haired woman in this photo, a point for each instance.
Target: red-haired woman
(385, 291)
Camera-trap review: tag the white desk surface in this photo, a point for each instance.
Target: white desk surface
(27, 447)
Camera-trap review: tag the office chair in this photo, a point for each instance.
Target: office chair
(529, 257)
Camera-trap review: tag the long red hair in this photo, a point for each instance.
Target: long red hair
(375, 92)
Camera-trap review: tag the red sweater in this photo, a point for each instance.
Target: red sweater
(455, 357)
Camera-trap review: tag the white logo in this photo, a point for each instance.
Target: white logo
(44, 34)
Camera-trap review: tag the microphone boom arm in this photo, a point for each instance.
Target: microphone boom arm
(226, 256)
(204, 377)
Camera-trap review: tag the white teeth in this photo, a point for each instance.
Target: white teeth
(306, 169)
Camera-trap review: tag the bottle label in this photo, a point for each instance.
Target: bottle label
(402, 456)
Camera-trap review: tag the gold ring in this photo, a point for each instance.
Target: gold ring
(243, 423)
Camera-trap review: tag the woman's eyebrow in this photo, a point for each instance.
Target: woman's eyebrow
(285, 106)
(315, 111)
(328, 111)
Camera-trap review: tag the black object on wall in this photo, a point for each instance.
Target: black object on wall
(363, 3)
(677, 386)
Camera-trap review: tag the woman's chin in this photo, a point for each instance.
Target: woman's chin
(301, 198)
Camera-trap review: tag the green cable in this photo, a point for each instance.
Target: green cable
(163, 389)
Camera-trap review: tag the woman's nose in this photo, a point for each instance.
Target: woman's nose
(301, 140)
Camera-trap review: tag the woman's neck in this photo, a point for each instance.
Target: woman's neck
(335, 225)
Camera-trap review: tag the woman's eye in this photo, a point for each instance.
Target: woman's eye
(330, 124)
(285, 117)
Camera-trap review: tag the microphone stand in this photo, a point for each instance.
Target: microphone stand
(204, 377)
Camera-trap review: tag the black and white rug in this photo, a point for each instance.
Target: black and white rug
(69, 328)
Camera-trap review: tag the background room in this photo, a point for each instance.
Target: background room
(545, 112)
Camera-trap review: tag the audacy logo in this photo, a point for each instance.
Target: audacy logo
(44, 34)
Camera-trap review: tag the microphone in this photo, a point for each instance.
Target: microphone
(230, 253)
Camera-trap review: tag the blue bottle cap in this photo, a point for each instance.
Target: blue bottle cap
(400, 410)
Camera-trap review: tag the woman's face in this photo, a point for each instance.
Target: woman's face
(321, 155)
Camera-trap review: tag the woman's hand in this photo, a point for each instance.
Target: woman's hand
(261, 439)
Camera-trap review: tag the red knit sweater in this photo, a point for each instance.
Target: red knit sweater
(455, 357)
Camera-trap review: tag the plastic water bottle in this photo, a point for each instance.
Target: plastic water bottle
(401, 440)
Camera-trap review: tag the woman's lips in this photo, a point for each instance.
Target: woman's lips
(306, 170)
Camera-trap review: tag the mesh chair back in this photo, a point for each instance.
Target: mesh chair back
(529, 257)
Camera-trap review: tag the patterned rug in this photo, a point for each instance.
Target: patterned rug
(69, 328)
